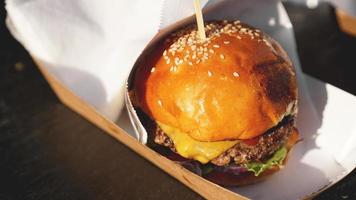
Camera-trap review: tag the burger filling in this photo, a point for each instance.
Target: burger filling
(255, 154)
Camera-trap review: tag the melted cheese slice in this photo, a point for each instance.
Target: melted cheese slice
(193, 149)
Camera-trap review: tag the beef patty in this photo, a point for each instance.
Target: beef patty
(257, 149)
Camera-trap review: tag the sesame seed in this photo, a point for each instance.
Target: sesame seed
(236, 74)
(173, 69)
(238, 37)
(209, 73)
(216, 46)
(222, 56)
(256, 34)
(168, 61)
(258, 31)
(190, 63)
(159, 102)
(211, 51)
(236, 22)
(165, 53)
(153, 69)
(226, 42)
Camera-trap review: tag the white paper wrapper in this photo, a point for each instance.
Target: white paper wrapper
(90, 46)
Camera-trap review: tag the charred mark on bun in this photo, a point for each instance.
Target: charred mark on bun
(277, 80)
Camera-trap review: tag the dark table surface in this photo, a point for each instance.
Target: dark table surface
(49, 152)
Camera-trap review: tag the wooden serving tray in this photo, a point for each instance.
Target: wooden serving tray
(201, 186)
(346, 22)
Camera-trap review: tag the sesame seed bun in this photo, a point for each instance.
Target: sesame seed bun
(235, 85)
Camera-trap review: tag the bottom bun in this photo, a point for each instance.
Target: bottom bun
(246, 178)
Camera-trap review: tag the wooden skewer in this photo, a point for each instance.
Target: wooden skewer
(200, 20)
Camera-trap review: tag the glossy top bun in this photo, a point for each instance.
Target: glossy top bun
(235, 85)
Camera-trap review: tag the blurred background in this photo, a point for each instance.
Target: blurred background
(38, 133)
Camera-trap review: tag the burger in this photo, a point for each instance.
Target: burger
(224, 107)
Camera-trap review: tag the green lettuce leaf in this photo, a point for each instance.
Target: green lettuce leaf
(276, 159)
